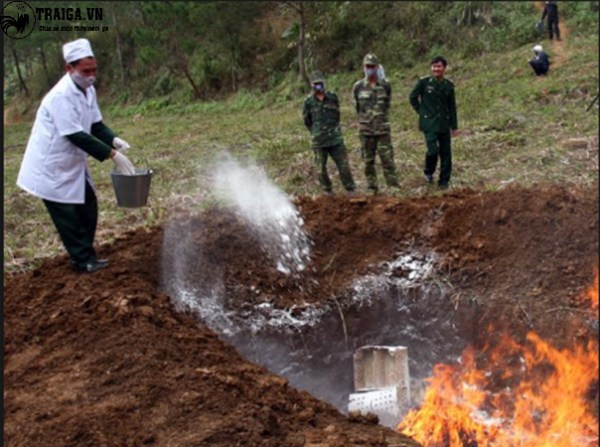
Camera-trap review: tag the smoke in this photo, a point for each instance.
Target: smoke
(200, 291)
(267, 211)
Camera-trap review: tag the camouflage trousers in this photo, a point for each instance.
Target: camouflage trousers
(371, 145)
(340, 157)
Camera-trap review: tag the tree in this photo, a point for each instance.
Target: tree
(299, 29)
(163, 44)
(230, 35)
(470, 13)
(119, 51)
(17, 64)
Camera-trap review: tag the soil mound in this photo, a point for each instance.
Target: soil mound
(106, 359)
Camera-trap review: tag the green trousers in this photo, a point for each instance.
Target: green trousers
(371, 145)
(439, 145)
(76, 225)
(340, 157)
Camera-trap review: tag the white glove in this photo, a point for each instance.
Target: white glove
(120, 145)
(123, 165)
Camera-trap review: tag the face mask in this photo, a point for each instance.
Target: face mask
(84, 82)
(318, 87)
(370, 72)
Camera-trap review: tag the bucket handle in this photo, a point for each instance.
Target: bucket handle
(143, 160)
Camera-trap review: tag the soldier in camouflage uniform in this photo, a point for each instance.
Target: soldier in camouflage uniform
(372, 97)
(433, 99)
(322, 118)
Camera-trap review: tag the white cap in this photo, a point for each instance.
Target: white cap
(78, 49)
(537, 48)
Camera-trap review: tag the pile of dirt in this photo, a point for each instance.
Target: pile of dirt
(105, 359)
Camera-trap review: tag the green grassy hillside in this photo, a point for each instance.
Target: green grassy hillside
(515, 128)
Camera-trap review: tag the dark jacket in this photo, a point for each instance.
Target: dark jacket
(550, 10)
(435, 103)
(540, 63)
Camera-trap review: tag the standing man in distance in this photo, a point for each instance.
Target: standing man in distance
(433, 99)
(321, 114)
(372, 97)
(68, 127)
(551, 11)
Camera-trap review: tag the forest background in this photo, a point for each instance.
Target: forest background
(161, 53)
(184, 81)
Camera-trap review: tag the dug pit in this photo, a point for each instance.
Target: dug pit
(128, 356)
(418, 273)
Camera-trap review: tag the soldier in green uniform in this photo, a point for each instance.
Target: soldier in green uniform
(322, 118)
(434, 101)
(372, 97)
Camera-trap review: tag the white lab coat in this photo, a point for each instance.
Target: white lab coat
(53, 168)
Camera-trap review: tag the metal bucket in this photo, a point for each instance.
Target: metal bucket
(132, 190)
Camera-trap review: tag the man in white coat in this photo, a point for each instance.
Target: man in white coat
(68, 127)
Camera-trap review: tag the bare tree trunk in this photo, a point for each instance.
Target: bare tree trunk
(187, 74)
(181, 63)
(234, 60)
(28, 67)
(119, 53)
(233, 82)
(301, 44)
(59, 54)
(22, 86)
(45, 65)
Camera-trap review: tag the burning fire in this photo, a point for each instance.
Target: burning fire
(510, 395)
(592, 292)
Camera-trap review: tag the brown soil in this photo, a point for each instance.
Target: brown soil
(105, 359)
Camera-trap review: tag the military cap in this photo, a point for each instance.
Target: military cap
(317, 76)
(370, 59)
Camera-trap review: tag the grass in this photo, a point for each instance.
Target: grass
(515, 128)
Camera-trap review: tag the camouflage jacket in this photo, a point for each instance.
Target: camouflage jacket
(435, 103)
(322, 119)
(372, 103)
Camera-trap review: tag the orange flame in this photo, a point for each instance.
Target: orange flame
(592, 292)
(532, 395)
